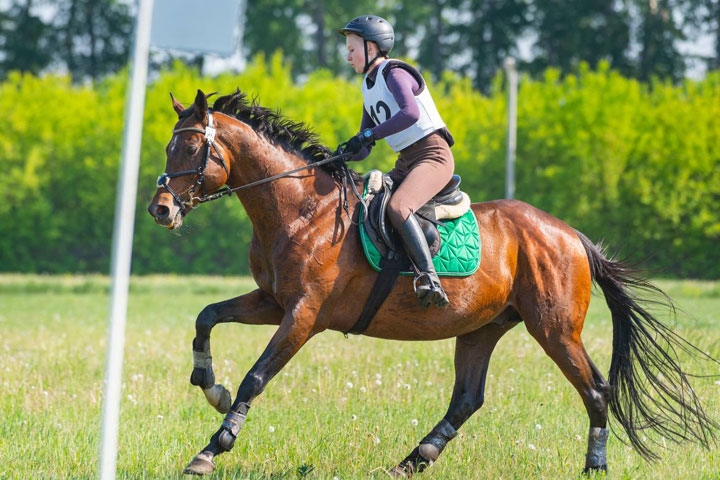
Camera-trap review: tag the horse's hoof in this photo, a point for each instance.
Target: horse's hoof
(219, 397)
(400, 472)
(202, 464)
(588, 471)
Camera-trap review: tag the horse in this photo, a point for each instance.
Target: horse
(312, 276)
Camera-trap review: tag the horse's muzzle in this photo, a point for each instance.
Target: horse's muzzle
(167, 216)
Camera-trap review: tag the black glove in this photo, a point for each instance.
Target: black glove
(358, 142)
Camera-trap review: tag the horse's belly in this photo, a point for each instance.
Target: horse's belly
(401, 317)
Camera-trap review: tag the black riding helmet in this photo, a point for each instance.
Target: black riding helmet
(371, 28)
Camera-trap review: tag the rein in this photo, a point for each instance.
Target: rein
(163, 180)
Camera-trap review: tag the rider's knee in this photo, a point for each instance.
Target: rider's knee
(397, 213)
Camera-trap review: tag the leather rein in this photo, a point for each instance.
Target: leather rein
(163, 180)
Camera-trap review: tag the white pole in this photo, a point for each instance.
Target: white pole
(512, 127)
(122, 240)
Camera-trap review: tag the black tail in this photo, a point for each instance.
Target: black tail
(649, 390)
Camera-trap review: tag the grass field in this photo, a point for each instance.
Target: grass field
(344, 408)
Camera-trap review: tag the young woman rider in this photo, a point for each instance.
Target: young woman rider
(397, 107)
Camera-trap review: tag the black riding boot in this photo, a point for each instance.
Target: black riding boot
(427, 284)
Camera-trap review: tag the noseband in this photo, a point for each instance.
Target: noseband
(163, 180)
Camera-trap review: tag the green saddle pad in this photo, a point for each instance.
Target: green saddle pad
(459, 254)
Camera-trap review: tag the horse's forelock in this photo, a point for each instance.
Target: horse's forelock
(186, 113)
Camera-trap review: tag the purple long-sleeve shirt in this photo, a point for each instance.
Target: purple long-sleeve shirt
(403, 87)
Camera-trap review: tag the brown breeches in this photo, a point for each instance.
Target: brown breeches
(423, 169)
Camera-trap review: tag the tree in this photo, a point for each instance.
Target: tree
(305, 30)
(703, 17)
(428, 25)
(326, 48)
(492, 35)
(271, 25)
(659, 32)
(581, 31)
(93, 36)
(24, 39)
(714, 20)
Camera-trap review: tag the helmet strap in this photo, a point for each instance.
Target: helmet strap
(368, 63)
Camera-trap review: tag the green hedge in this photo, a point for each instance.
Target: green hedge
(632, 163)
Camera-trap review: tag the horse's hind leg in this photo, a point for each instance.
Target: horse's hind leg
(557, 330)
(472, 357)
(255, 308)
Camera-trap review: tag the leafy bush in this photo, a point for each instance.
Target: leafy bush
(633, 163)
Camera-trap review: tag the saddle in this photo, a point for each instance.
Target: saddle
(449, 203)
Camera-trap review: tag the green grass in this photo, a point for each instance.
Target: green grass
(52, 350)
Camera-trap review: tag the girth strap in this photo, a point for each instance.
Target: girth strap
(390, 268)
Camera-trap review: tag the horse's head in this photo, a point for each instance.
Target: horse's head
(196, 164)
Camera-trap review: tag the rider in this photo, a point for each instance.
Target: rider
(397, 106)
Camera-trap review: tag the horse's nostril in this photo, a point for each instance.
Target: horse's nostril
(159, 211)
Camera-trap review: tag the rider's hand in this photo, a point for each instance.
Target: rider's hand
(360, 141)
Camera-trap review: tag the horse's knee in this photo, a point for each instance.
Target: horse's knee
(256, 383)
(465, 406)
(205, 321)
(252, 385)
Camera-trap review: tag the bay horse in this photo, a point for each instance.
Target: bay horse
(312, 275)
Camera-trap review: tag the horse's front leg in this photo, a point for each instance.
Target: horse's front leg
(255, 307)
(297, 327)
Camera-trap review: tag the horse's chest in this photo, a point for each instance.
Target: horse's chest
(284, 264)
(260, 267)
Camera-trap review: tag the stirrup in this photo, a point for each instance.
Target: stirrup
(432, 281)
(432, 293)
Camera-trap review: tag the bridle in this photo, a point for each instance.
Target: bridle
(163, 180)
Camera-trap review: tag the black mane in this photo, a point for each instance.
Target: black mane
(294, 137)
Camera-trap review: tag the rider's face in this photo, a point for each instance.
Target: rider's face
(355, 52)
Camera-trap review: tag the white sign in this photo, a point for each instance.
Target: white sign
(198, 27)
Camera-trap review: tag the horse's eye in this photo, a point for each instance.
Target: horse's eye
(192, 149)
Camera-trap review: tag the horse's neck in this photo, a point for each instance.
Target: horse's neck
(278, 205)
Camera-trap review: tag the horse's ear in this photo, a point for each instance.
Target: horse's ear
(177, 106)
(201, 106)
